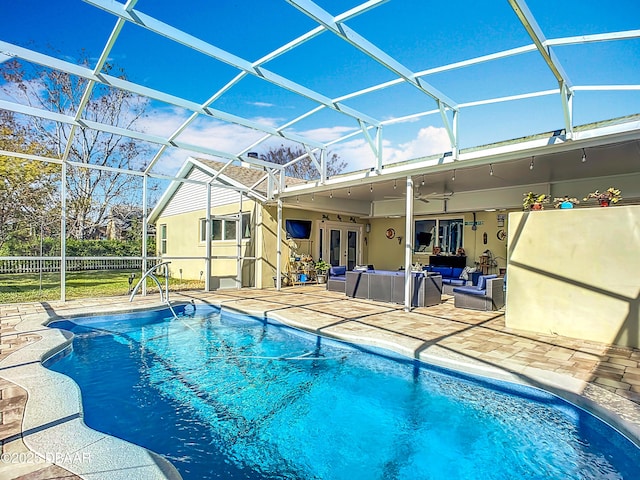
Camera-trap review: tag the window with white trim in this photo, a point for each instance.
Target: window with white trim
(163, 238)
(225, 230)
(444, 233)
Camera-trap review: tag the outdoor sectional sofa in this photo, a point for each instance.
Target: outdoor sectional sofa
(388, 286)
(336, 279)
(450, 277)
(487, 295)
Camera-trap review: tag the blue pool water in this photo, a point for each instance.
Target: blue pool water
(230, 397)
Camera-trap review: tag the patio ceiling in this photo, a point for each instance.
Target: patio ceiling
(349, 95)
(540, 166)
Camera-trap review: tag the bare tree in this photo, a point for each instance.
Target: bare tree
(304, 168)
(90, 192)
(28, 189)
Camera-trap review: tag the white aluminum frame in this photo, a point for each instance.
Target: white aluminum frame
(363, 124)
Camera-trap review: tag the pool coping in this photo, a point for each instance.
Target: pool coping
(53, 426)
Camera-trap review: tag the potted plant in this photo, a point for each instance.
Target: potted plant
(322, 268)
(534, 201)
(611, 195)
(565, 202)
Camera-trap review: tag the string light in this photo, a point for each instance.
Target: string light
(395, 185)
(422, 183)
(330, 193)
(453, 177)
(584, 156)
(297, 199)
(349, 191)
(371, 187)
(531, 164)
(491, 169)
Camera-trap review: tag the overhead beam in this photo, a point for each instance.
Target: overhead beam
(86, 95)
(83, 72)
(535, 32)
(145, 21)
(69, 120)
(323, 17)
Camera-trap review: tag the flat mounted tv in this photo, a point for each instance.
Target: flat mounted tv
(300, 229)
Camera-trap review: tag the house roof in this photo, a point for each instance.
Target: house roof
(249, 177)
(252, 181)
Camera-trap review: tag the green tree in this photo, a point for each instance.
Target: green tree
(305, 168)
(90, 192)
(28, 189)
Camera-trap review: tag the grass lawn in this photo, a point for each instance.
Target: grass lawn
(25, 287)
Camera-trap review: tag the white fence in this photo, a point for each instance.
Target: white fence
(74, 264)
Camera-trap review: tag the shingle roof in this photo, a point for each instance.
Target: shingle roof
(246, 176)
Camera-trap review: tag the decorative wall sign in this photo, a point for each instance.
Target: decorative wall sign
(501, 235)
(390, 233)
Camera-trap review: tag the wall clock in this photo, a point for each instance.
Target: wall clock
(390, 233)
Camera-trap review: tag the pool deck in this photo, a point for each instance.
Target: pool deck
(599, 377)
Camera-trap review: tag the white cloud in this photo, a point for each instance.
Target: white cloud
(163, 121)
(326, 134)
(203, 132)
(268, 121)
(11, 91)
(356, 153)
(261, 104)
(430, 141)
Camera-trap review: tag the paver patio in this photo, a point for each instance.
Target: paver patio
(607, 375)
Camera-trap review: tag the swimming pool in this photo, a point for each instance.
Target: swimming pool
(226, 396)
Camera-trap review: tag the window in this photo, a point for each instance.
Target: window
(229, 230)
(246, 225)
(445, 233)
(225, 229)
(216, 229)
(425, 235)
(203, 229)
(450, 234)
(163, 238)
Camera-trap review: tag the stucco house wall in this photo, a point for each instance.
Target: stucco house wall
(388, 254)
(576, 273)
(183, 240)
(179, 214)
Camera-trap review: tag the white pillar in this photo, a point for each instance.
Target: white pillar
(144, 265)
(207, 233)
(408, 241)
(279, 248)
(63, 233)
(239, 245)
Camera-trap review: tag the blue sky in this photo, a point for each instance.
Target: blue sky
(420, 34)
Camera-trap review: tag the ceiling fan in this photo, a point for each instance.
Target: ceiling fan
(425, 197)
